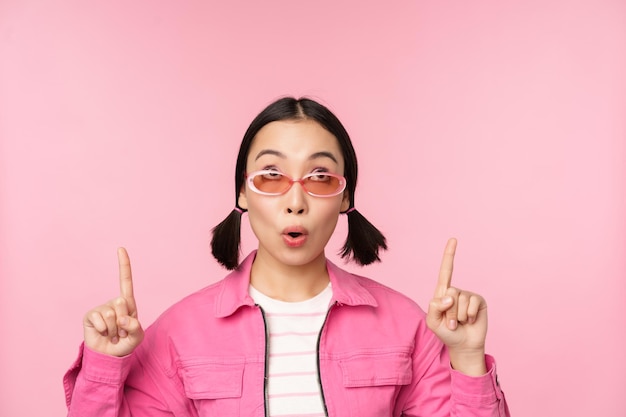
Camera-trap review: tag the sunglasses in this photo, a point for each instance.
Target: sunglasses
(317, 184)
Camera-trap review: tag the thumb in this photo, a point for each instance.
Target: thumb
(436, 311)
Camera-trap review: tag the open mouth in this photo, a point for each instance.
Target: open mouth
(295, 236)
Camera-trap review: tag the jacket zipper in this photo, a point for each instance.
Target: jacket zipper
(319, 371)
(265, 365)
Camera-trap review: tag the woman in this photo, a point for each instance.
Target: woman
(288, 333)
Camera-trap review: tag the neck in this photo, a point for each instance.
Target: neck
(285, 282)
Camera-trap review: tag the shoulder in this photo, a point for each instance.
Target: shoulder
(386, 295)
(217, 300)
(200, 303)
(352, 288)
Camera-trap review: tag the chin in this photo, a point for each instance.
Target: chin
(299, 257)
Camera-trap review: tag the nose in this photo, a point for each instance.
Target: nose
(296, 199)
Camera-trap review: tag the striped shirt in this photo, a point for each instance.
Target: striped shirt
(293, 385)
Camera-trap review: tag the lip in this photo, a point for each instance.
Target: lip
(294, 241)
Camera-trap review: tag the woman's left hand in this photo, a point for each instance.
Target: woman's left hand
(459, 319)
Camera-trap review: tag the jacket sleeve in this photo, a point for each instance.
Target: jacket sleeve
(107, 386)
(479, 396)
(437, 390)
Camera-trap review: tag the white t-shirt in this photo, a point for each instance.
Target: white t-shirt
(293, 383)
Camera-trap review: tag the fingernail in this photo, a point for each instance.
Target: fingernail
(446, 300)
(122, 333)
(452, 324)
(114, 340)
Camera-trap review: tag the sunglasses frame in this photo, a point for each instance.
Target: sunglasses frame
(250, 180)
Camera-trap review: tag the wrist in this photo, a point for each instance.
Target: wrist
(468, 362)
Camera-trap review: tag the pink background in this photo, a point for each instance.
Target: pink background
(501, 123)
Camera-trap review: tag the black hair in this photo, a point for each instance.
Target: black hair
(364, 240)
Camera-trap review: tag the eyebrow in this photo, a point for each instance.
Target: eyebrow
(321, 154)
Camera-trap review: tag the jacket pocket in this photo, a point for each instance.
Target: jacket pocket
(214, 387)
(372, 381)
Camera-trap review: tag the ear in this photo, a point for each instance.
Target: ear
(242, 200)
(345, 203)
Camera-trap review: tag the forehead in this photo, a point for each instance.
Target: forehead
(296, 139)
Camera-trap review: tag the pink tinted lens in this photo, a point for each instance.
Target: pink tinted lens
(273, 183)
(322, 184)
(317, 184)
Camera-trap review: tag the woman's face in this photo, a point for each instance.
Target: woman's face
(293, 228)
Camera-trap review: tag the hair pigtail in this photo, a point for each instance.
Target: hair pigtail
(364, 241)
(226, 240)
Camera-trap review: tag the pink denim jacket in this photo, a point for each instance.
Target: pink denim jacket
(206, 356)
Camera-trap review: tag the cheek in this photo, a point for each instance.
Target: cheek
(258, 219)
(329, 210)
(261, 210)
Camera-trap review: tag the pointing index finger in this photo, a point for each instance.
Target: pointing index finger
(126, 279)
(447, 265)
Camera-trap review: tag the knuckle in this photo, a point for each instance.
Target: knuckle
(92, 317)
(464, 298)
(477, 300)
(134, 326)
(453, 292)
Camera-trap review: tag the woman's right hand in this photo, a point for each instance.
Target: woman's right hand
(113, 328)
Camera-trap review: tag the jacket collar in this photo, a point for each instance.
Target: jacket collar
(234, 288)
